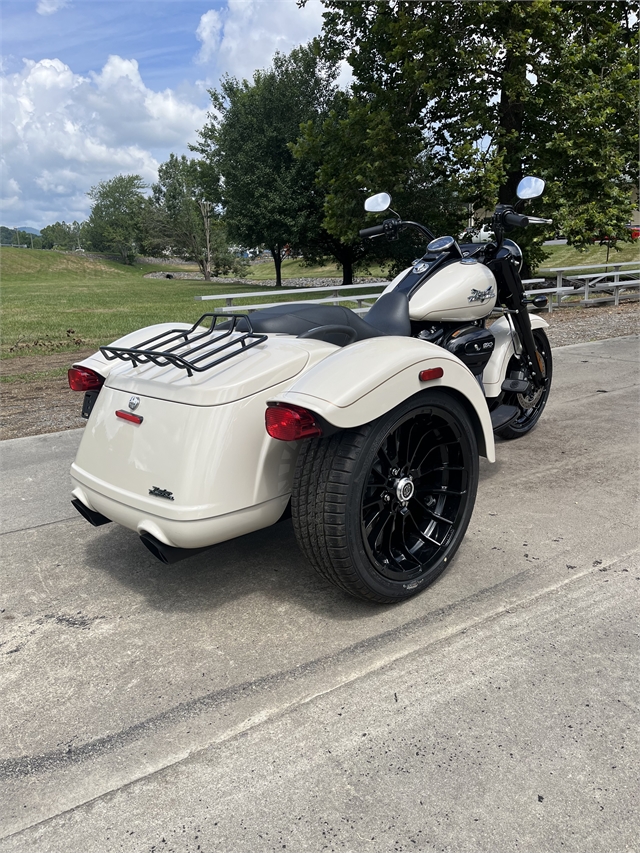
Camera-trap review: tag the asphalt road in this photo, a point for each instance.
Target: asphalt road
(235, 702)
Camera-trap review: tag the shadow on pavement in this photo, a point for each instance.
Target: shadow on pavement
(267, 563)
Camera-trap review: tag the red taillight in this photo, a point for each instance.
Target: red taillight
(84, 379)
(129, 416)
(430, 373)
(290, 423)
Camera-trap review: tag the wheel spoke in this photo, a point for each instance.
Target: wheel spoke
(404, 548)
(442, 448)
(384, 542)
(423, 437)
(433, 514)
(385, 457)
(376, 474)
(374, 518)
(422, 535)
(443, 468)
(373, 501)
(375, 535)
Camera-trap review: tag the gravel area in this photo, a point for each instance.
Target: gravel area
(32, 403)
(251, 284)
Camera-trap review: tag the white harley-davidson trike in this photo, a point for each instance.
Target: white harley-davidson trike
(365, 430)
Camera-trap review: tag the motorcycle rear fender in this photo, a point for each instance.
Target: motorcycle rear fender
(361, 382)
(496, 370)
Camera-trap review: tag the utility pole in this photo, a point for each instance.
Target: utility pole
(205, 209)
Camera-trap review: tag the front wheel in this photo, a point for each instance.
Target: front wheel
(530, 405)
(380, 510)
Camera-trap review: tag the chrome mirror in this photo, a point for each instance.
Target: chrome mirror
(377, 203)
(530, 187)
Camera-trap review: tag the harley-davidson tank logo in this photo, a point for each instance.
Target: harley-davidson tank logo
(161, 493)
(482, 295)
(134, 402)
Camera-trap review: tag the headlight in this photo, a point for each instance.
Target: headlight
(515, 252)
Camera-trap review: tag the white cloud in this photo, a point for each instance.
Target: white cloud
(208, 33)
(63, 133)
(48, 7)
(245, 36)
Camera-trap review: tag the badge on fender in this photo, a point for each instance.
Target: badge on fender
(161, 493)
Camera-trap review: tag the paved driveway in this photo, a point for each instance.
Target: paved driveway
(234, 702)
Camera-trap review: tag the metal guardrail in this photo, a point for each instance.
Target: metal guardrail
(336, 295)
(610, 277)
(617, 280)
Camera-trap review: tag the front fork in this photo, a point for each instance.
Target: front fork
(511, 296)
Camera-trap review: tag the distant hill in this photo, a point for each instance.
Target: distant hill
(26, 229)
(24, 238)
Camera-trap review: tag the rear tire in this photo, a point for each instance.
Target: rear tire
(380, 510)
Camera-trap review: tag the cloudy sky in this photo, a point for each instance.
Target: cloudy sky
(96, 88)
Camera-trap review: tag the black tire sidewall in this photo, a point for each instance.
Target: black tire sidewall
(514, 431)
(377, 431)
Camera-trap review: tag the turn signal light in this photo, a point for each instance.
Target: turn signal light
(84, 379)
(129, 416)
(430, 373)
(290, 423)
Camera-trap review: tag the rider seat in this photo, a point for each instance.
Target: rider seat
(332, 323)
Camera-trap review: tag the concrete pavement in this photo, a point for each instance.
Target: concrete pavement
(237, 698)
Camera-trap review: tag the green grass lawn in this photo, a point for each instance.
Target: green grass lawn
(56, 302)
(568, 256)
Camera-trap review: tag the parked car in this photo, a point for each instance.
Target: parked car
(477, 235)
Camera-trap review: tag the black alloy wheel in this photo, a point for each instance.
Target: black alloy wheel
(529, 405)
(381, 510)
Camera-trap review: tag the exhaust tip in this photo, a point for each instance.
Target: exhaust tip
(157, 548)
(166, 553)
(93, 517)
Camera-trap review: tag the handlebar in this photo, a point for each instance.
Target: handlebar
(515, 220)
(391, 228)
(373, 231)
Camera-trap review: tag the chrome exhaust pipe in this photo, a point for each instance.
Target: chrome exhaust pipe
(167, 554)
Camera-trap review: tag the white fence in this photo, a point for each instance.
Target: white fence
(598, 287)
(608, 284)
(336, 294)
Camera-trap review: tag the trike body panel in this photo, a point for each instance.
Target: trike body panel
(359, 383)
(201, 468)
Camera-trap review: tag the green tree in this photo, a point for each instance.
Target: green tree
(184, 223)
(359, 151)
(495, 90)
(62, 235)
(269, 196)
(117, 220)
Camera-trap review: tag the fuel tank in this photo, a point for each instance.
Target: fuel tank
(462, 290)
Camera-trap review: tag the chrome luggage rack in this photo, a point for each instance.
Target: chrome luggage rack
(191, 350)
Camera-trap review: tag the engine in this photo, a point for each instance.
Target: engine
(473, 346)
